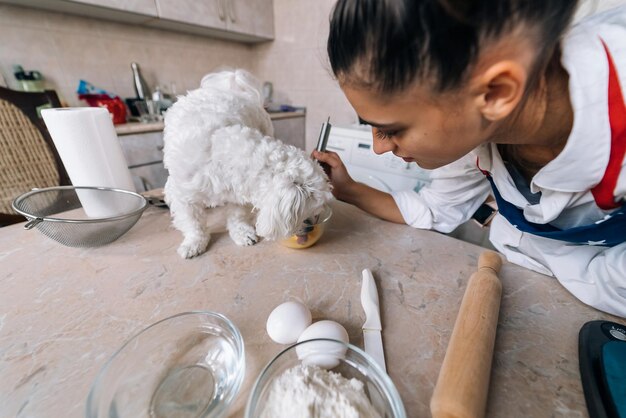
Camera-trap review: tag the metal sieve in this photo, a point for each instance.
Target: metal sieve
(58, 213)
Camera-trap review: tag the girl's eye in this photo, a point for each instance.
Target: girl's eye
(380, 134)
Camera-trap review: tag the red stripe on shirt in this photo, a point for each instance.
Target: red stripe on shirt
(604, 192)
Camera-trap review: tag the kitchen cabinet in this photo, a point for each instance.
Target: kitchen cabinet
(264, 23)
(239, 20)
(234, 19)
(143, 7)
(127, 11)
(255, 17)
(144, 156)
(176, 13)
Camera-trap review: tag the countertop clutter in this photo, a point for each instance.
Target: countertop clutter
(140, 127)
(64, 311)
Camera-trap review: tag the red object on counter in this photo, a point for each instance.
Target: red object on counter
(114, 105)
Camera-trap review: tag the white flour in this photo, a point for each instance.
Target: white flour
(312, 392)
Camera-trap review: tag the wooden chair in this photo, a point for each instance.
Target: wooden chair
(28, 157)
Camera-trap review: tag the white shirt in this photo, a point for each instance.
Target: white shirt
(595, 275)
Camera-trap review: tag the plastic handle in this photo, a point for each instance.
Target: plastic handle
(220, 10)
(323, 138)
(369, 301)
(231, 11)
(463, 383)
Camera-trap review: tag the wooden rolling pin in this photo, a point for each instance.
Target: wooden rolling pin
(463, 383)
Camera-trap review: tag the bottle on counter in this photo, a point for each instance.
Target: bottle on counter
(157, 95)
(162, 98)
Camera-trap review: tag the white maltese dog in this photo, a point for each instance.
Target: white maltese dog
(219, 150)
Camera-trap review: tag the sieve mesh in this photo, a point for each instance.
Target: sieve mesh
(57, 212)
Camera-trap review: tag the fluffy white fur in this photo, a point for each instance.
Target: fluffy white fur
(219, 150)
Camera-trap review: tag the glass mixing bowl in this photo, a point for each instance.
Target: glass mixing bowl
(351, 362)
(188, 365)
(310, 231)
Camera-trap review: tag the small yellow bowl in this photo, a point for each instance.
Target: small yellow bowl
(310, 232)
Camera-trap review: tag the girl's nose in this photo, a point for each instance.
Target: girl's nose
(382, 146)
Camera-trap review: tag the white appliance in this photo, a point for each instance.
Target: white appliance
(384, 172)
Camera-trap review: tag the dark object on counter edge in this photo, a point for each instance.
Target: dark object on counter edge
(130, 103)
(602, 359)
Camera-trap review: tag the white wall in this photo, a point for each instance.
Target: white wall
(297, 65)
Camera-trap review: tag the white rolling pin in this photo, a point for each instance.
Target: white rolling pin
(463, 383)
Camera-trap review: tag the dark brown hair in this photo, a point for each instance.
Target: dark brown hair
(390, 43)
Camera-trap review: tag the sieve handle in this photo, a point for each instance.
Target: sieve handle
(31, 224)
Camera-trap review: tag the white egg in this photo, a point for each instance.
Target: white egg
(325, 354)
(287, 321)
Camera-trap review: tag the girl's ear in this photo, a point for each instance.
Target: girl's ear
(500, 89)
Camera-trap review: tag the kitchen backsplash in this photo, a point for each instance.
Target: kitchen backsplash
(296, 62)
(67, 48)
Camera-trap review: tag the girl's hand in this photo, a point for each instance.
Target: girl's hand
(372, 201)
(338, 175)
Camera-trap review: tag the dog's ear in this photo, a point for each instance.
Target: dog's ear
(249, 85)
(283, 209)
(237, 81)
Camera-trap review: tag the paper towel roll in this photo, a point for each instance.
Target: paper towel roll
(91, 153)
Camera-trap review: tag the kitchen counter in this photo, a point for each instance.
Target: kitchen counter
(130, 128)
(64, 311)
(140, 127)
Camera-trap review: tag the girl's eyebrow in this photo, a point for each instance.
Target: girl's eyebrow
(378, 125)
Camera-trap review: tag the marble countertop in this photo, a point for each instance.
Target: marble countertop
(287, 115)
(64, 311)
(140, 127)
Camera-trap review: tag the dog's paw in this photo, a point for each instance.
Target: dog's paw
(243, 235)
(192, 247)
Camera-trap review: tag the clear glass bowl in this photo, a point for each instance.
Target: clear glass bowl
(188, 365)
(310, 232)
(352, 362)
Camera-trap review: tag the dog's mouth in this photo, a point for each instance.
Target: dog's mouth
(307, 225)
